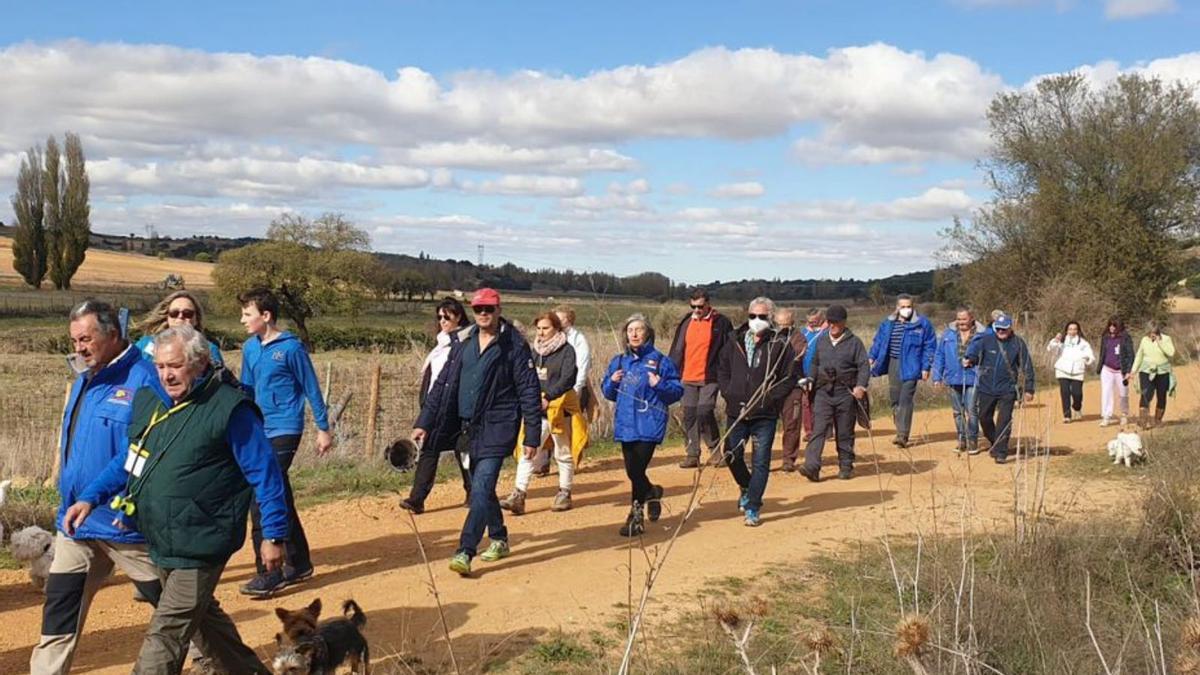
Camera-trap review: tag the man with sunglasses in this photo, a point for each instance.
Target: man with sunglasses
(487, 388)
(695, 351)
(1000, 357)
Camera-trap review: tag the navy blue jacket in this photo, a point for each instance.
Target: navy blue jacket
(998, 363)
(640, 413)
(101, 433)
(510, 394)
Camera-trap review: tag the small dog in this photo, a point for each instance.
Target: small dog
(34, 547)
(1126, 448)
(310, 648)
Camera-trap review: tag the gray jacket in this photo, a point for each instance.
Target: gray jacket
(841, 367)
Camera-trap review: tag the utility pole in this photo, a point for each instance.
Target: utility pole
(481, 255)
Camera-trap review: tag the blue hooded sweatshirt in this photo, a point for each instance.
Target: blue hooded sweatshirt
(100, 434)
(641, 410)
(280, 376)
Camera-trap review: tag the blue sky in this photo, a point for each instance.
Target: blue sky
(704, 140)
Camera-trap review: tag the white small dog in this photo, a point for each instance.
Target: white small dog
(34, 547)
(1126, 448)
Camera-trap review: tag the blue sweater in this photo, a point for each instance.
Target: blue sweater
(280, 376)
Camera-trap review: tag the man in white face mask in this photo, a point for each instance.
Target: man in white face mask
(903, 349)
(756, 371)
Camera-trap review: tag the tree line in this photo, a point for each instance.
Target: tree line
(52, 228)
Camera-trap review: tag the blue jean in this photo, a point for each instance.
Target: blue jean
(763, 432)
(485, 510)
(966, 411)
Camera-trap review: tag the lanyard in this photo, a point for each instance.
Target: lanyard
(155, 419)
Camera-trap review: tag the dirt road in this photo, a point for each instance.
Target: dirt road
(571, 570)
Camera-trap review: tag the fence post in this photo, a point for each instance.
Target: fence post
(373, 409)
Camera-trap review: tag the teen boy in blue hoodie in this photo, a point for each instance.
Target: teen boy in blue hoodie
(277, 371)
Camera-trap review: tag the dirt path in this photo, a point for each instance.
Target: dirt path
(570, 570)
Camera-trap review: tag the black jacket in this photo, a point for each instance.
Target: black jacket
(837, 369)
(1127, 352)
(510, 394)
(560, 371)
(721, 328)
(774, 371)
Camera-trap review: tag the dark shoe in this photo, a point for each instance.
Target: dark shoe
(845, 473)
(264, 585)
(999, 460)
(544, 471)
(788, 467)
(811, 474)
(1159, 413)
(295, 576)
(409, 505)
(139, 596)
(973, 447)
(900, 442)
(689, 462)
(962, 445)
(654, 505)
(633, 526)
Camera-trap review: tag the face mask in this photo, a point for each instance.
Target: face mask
(759, 325)
(906, 313)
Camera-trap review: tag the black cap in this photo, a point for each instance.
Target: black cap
(836, 313)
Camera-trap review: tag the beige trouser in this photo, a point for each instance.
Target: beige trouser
(187, 609)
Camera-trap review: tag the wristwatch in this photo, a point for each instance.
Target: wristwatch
(278, 541)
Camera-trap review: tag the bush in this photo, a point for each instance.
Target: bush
(1070, 298)
(203, 256)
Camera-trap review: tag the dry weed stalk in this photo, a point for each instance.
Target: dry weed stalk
(433, 588)
(731, 623)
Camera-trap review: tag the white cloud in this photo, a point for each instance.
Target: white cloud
(485, 156)
(1133, 9)
(744, 190)
(525, 185)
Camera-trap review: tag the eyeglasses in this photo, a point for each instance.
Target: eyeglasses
(484, 309)
(764, 317)
(698, 306)
(182, 313)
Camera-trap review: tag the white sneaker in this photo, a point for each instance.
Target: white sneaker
(1124, 420)
(1105, 421)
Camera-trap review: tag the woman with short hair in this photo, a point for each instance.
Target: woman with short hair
(1156, 379)
(450, 317)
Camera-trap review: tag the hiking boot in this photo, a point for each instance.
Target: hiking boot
(633, 526)
(1105, 421)
(264, 585)
(743, 501)
(497, 551)
(813, 475)
(654, 505)
(1143, 419)
(408, 504)
(973, 447)
(999, 459)
(562, 501)
(752, 518)
(461, 563)
(515, 502)
(845, 473)
(899, 441)
(1158, 415)
(689, 462)
(788, 467)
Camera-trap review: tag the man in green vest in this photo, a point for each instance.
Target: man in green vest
(195, 457)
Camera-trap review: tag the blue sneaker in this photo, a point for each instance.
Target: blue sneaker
(752, 519)
(743, 501)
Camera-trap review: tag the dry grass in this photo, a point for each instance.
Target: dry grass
(112, 269)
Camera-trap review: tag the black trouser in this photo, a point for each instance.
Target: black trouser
(832, 412)
(995, 419)
(1156, 388)
(1071, 392)
(297, 554)
(426, 473)
(637, 456)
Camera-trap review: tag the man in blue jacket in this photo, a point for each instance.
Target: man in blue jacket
(484, 392)
(903, 350)
(277, 371)
(94, 430)
(1000, 358)
(948, 371)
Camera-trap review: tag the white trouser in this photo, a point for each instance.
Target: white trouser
(1112, 386)
(562, 455)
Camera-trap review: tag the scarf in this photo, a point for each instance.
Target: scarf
(548, 347)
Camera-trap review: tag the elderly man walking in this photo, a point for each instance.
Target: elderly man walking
(196, 453)
(94, 428)
(903, 349)
(794, 406)
(1003, 371)
(697, 345)
(486, 389)
(840, 376)
(755, 375)
(815, 326)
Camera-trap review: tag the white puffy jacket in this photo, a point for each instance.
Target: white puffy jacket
(1074, 357)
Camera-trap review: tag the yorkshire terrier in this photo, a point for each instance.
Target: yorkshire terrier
(310, 648)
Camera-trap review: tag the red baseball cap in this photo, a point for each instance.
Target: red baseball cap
(485, 296)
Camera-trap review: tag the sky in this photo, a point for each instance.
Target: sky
(706, 141)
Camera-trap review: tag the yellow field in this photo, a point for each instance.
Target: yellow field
(109, 268)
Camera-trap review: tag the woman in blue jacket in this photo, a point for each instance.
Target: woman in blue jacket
(642, 383)
(948, 371)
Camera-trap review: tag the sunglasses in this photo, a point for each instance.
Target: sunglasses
(182, 313)
(484, 309)
(445, 317)
(764, 317)
(698, 306)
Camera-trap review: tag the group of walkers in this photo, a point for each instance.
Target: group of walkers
(171, 520)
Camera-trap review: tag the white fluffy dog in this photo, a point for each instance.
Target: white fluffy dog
(34, 547)
(1126, 448)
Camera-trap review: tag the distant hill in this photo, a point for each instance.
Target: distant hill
(464, 274)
